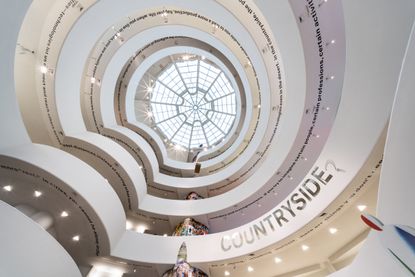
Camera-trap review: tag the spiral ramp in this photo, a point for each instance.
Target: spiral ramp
(284, 163)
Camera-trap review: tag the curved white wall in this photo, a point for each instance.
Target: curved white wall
(396, 189)
(10, 118)
(28, 250)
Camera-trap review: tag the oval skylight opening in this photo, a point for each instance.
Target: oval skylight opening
(193, 103)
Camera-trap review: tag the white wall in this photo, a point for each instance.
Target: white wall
(396, 191)
(28, 250)
(11, 14)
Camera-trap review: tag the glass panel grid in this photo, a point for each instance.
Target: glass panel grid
(193, 103)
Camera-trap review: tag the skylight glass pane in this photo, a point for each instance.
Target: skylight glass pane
(193, 103)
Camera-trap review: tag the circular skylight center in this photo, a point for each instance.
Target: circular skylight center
(193, 103)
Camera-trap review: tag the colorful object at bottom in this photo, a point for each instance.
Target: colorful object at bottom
(182, 268)
(399, 240)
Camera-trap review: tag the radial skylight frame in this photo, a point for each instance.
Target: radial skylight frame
(193, 103)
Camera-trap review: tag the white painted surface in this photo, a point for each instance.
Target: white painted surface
(28, 250)
(10, 118)
(81, 178)
(396, 190)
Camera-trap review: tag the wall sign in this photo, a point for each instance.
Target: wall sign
(282, 214)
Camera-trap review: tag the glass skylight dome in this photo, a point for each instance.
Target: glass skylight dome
(193, 103)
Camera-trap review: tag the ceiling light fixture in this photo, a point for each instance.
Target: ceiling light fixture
(333, 231)
(227, 273)
(64, 214)
(93, 80)
(43, 69)
(305, 247)
(277, 260)
(141, 229)
(7, 188)
(75, 238)
(250, 269)
(38, 193)
(361, 207)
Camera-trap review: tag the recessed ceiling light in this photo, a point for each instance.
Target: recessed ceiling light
(333, 230)
(141, 229)
(361, 207)
(250, 269)
(43, 69)
(304, 247)
(7, 188)
(333, 41)
(64, 214)
(227, 273)
(259, 106)
(93, 80)
(277, 260)
(165, 235)
(37, 193)
(75, 238)
(332, 77)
